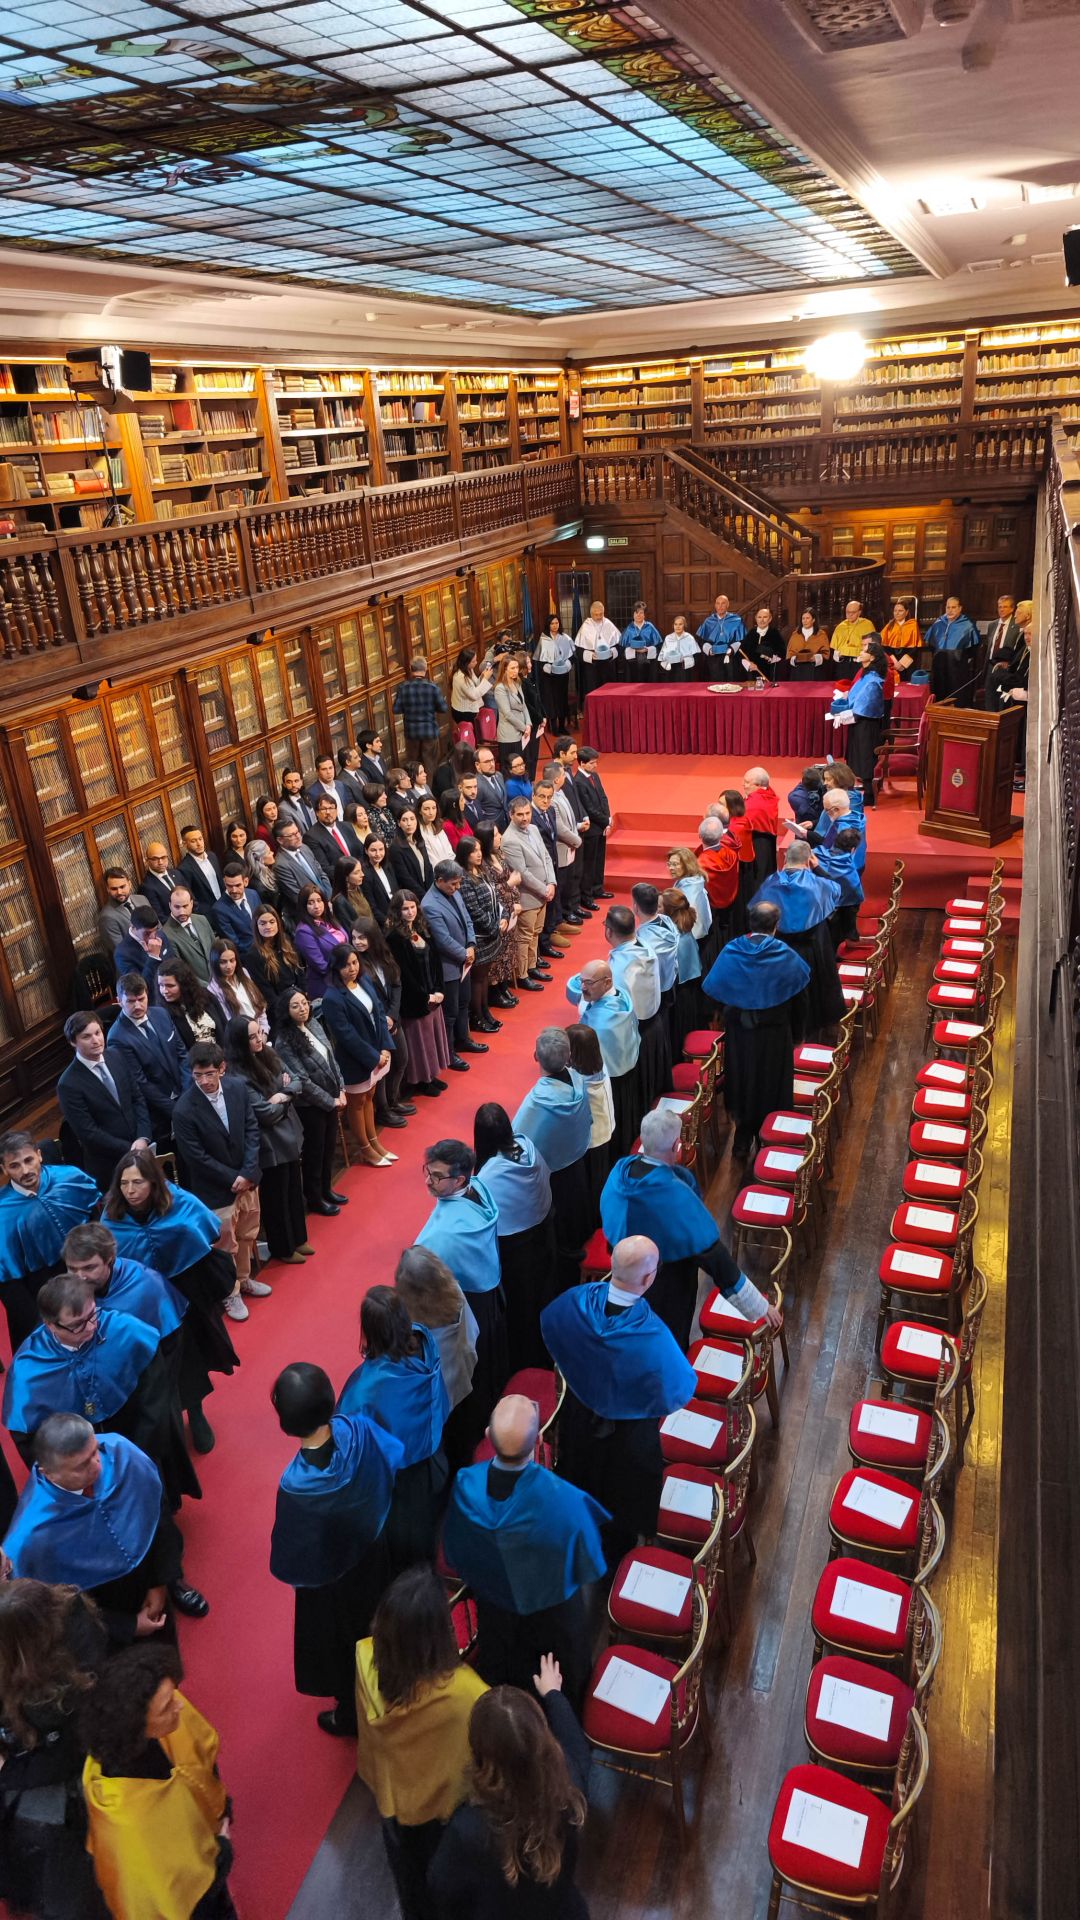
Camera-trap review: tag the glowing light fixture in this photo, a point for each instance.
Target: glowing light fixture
(836, 356)
(595, 543)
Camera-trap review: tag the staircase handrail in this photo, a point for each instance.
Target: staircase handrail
(834, 573)
(760, 501)
(738, 519)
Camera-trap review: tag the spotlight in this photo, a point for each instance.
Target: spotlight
(836, 356)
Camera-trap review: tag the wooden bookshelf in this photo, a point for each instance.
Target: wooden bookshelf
(320, 417)
(482, 402)
(1027, 372)
(540, 410)
(414, 422)
(761, 395)
(200, 438)
(635, 409)
(62, 459)
(908, 382)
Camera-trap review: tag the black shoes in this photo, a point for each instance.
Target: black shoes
(322, 1206)
(539, 973)
(486, 1024)
(603, 893)
(471, 1046)
(404, 1106)
(339, 1199)
(189, 1600)
(529, 986)
(332, 1720)
(573, 920)
(431, 1089)
(389, 1119)
(202, 1433)
(457, 1066)
(501, 997)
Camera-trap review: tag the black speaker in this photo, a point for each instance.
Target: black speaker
(1070, 241)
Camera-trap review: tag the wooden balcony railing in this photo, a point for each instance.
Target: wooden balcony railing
(917, 459)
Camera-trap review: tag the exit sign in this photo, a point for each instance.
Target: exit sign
(618, 540)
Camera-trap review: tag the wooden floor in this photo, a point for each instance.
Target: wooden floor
(632, 1868)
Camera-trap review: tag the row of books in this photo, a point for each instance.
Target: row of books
(68, 423)
(881, 372)
(764, 410)
(226, 420)
(396, 443)
(15, 430)
(482, 382)
(486, 412)
(403, 411)
(50, 376)
(227, 379)
(300, 453)
(340, 413)
(617, 397)
(898, 397)
(774, 382)
(616, 422)
(419, 381)
(1033, 389)
(292, 380)
(302, 417)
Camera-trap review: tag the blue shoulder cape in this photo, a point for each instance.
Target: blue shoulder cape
(662, 1202)
(95, 1380)
(756, 971)
(33, 1227)
(556, 1116)
(465, 1233)
(626, 1367)
(530, 1551)
(521, 1189)
(803, 897)
(173, 1241)
(407, 1397)
(146, 1293)
(327, 1517)
(81, 1540)
(841, 867)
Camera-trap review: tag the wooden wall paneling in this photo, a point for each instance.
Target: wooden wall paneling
(27, 812)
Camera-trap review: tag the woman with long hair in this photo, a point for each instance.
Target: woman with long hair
(482, 905)
(266, 813)
(192, 1010)
(515, 1174)
(462, 762)
(686, 874)
(436, 845)
(303, 1046)
(738, 830)
(691, 1010)
(167, 1228)
(281, 1139)
(554, 654)
(400, 1385)
(157, 1810)
(453, 822)
(380, 818)
(232, 986)
(408, 854)
(512, 1849)
(414, 1695)
(434, 1300)
(587, 1059)
(506, 881)
(380, 970)
(514, 726)
(261, 860)
(347, 890)
(469, 687)
(316, 934)
(52, 1646)
(272, 960)
(411, 946)
(377, 883)
(354, 1018)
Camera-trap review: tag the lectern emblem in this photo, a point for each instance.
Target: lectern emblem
(958, 778)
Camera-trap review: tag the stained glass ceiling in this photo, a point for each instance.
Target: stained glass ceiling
(532, 156)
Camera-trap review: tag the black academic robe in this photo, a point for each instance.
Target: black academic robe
(619, 1462)
(825, 1003)
(759, 1076)
(121, 1599)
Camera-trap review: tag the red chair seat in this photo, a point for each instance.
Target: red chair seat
(807, 1868)
(955, 970)
(488, 722)
(720, 1319)
(968, 905)
(919, 1225)
(464, 734)
(778, 1166)
(608, 1725)
(934, 1180)
(942, 1103)
(785, 1129)
(855, 996)
(853, 971)
(951, 1074)
(597, 1259)
(694, 1527)
(965, 926)
(763, 1207)
(719, 1365)
(832, 1622)
(705, 1445)
(700, 1043)
(913, 1351)
(907, 1446)
(963, 949)
(868, 1529)
(851, 1746)
(957, 999)
(632, 1615)
(915, 1270)
(944, 1142)
(814, 1060)
(805, 1091)
(957, 1034)
(685, 1077)
(533, 1383)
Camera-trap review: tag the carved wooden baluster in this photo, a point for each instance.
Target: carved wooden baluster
(128, 588)
(20, 611)
(7, 631)
(52, 598)
(111, 571)
(85, 588)
(36, 602)
(214, 567)
(180, 567)
(201, 565)
(101, 592)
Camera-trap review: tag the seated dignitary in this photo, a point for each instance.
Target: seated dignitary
(93, 1516)
(761, 984)
(624, 1373)
(101, 1100)
(526, 1543)
(557, 1117)
(806, 900)
(38, 1206)
(609, 1011)
(463, 1229)
(650, 1194)
(516, 1177)
(332, 1507)
(400, 1385)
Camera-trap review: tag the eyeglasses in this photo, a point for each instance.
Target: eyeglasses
(80, 1325)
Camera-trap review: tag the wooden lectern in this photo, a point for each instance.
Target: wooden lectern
(969, 774)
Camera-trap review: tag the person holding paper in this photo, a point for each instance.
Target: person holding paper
(527, 1544)
(761, 985)
(648, 1193)
(624, 1372)
(806, 900)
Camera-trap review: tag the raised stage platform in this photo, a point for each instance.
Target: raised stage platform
(788, 720)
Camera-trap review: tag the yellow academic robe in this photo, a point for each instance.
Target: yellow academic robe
(154, 1842)
(414, 1758)
(848, 637)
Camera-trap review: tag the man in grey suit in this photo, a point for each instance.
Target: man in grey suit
(295, 864)
(523, 847)
(490, 789)
(454, 937)
(189, 934)
(114, 918)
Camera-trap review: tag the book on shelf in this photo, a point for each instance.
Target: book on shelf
(302, 417)
(164, 379)
(15, 430)
(224, 379)
(60, 486)
(21, 480)
(219, 419)
(69, 423)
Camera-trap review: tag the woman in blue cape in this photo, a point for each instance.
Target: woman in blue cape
(400, 1385)
(328, 1540)
(515, 1175)
(556, 1115)
(866, 700)
(761, 984)
(806, 900)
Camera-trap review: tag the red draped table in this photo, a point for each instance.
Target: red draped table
(785, 720)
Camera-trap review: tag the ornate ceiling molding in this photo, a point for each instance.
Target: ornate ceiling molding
(835, 25)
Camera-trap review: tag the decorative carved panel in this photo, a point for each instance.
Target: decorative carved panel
(836, 25)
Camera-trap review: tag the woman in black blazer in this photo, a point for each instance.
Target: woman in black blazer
(353, 1015)
(378, 885)
(409, 856)
(409, 942)
(305, 1048)
(379, 971)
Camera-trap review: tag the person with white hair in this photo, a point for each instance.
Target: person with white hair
(763, 814)
(721, 634)
(624, 1373)
(807, 899)
(650, 1193)
(761, 984)
(718, 858)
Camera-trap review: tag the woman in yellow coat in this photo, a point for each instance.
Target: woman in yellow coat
(158, 1814)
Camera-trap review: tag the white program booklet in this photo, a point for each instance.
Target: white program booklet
(943, 1071)
(932, 1175)
(631, 1690)
(845, 1704)
(837, 1833)
(962, 1030)
(669, 1105)
(970, 906)
(878, 1503)
(962, 996)
(931, 1219)
(968, 946)
(920, 1340)
(723, 1366)
(966, 926)
(926, 1264)
(690, 1497)
(777, 1161)
(889, 1422)
(960, 969)
(694, 1427)
(822, 1054)
(655, 1587)
(870, 1606)
(793, 1123)
(945, 1102)
(769, 1203)
(944, 1136)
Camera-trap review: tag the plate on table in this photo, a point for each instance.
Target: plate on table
(724, 686)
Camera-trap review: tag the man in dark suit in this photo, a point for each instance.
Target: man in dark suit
(331, 839)
(189, 933)
(200, 870)
(147, 1041)
(217, 1142)
(598, 812)
(543, 819)
(295, 865)
(350, 780)
(160, 878)
(372, 761)
(233, 916)
(490, 790)
(294, 803)
(1002, 642)
(325, 786)
(114, 918)
(468, 787)
(102, 1101)
(454, 939)
(143, 948)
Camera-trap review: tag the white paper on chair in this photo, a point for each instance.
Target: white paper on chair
(924, 1264)
(966, 926)
(690, 1497)
(870, 1606)
(768, 1203)
(962, 1030)
(777, 1161)
(969, 946)
(723, 1366)
(934, 1176)
(878, 1503)
(810, 1087)
(656, 1588)
(920, 1340)
(944, 1070)
(693, 1427)
(792, 1123)
(837, 1833)
(961, 969)
(845, 1704)
(950, 1102)
(962, 995)
(889, 1422)
(631, 1690)
(944, 1136)
(969, 906)
(930, 1219)
(670, 1105)
(823, 1055)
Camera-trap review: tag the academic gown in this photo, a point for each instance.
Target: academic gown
(624, 1373)
(33, 1228)
(806, 899)
(762, 985)
(763, 814)
(521, 1189)
(182, 1245)
(463, 1230)
(526, 1543)
(665, 1204)
(408, 1398)
(332, 1506)
(615, 1025)
(557, 1117)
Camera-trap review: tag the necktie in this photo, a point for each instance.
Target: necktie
(303, 863)
(244, 906)
(107, 1080)
(339, 838)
